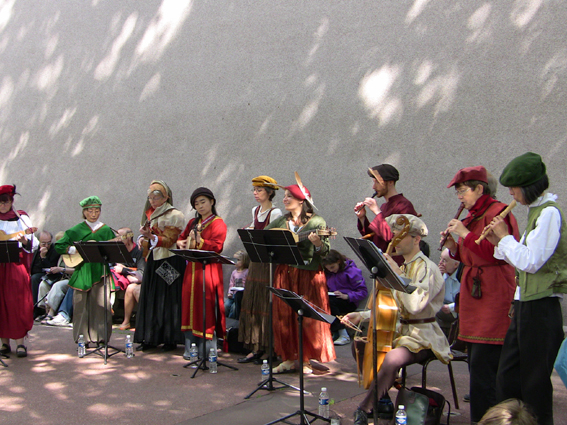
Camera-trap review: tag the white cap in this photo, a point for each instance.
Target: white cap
(323, 389)
(265, 361)
(402, 407)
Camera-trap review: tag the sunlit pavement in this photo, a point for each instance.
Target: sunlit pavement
(53, 386)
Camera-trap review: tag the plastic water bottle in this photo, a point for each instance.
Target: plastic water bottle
(213, 360)
(81, 349)
(129, 348)
(265, 370)
(324, 403)
(401, 415)
(194, 355)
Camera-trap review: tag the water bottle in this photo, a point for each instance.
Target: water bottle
(265, 370)
(324, 403)
(213, 360)
(401, 415)
(129, 348)
(194, 355)
(81, 350)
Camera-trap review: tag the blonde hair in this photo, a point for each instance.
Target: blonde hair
(243, 257)
(509, 412)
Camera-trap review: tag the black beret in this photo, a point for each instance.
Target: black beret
(201, 191)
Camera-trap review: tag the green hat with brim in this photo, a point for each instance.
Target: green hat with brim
(91, 201)
(523, 170)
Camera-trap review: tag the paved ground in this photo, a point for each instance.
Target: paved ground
(53, 386)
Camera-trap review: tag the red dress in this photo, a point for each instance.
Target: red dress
(485, 320)
(16, 305)
(212, 239)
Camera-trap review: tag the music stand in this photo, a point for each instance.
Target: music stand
(104, 253)
(270, 246)
(203, 257)
(303, 308)
(380, 271)
(9, 253)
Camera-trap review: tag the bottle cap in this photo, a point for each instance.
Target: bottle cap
(401, 407)
(265, 361)
(324, 389)
(193, 344)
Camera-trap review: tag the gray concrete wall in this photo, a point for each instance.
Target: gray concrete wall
(100, 97)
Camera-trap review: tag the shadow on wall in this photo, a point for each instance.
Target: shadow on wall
(99, 97)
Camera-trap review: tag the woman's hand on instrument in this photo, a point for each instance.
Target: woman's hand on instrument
(182, 243)
(352, 318)
(315, 239)
(53, 270)
(450, 242)
(340, 295)
(499, 227)
(372, 205)
(457, 226)
(145, 232)
(118, 268)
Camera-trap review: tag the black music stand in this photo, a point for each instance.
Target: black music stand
(105, 253)
(303, 308)
(9, 253)
(381, 271)
(203, 257)
(271, 246)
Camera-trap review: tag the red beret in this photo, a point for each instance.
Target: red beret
(297, 193)
(8, 189)
(469, 173)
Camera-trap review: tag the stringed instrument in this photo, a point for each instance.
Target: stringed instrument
(28, 231)
(322, 232)
(73, 260)
(385, 311)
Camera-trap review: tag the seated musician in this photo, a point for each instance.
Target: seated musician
(418, 335)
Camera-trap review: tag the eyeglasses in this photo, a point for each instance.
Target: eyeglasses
(461, 192)
(5, 202)
(44, 243)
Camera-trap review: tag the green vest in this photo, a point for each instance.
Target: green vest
(552, 276)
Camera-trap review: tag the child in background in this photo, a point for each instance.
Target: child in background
(346, 289)
(236, 286)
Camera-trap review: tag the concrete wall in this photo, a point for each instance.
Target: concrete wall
(100, 97)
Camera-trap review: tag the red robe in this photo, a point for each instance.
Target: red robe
(212, 239)
(397, 204)
(485, 320)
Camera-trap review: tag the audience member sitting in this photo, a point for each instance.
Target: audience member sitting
(346, 289)
(50, 281)
(126, 276)
(43, 258)
(64, 315)
(236, 285)
(509, 412)
(450, 269)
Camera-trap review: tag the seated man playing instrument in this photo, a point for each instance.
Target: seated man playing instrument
(418, 334)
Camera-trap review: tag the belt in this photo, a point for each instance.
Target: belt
(416, 321)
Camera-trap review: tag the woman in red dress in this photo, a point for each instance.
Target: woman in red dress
(16, 305)
(207, 231)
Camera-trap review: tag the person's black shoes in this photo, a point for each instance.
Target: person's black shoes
(360, 417)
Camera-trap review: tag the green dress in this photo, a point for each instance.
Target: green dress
(87, 280)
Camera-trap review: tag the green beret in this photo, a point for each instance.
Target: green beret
(91, 201)
(523, 171)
